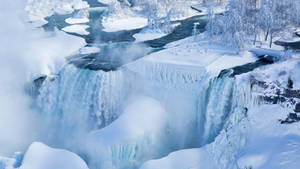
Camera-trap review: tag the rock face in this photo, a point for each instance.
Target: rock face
(292, 117)
(277, 94)
(263, 60)
(289, 45)
(33, 87)
(297, 108)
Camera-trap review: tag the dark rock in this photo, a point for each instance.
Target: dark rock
(185, 29)
(291, 93)
(290, 83)
(297, 107)
(263, 60)
(254, 82)
(273, 100)
(297, 34)
(33, 88)
(292, 118)
(289, 45)
(196, 9)
(111, 57)
(39, 81)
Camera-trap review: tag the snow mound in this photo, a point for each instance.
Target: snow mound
(136, 121)
(40, 156)
(130, 139)
(189, 158)
(271, 144)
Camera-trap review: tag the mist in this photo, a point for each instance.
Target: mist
(25, 52)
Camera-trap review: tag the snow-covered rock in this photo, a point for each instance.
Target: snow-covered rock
(40, 156)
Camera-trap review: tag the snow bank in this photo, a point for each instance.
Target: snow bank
(40, 156)
(280, 72)
(189, 159)
(211, 56)
(271, 144)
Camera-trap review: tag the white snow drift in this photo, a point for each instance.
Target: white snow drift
(40, 156)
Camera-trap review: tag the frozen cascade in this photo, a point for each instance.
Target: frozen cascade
(229, 142)
(215, 106)
(78, 100)
(197, 107)
(190, 102)
(227, 138)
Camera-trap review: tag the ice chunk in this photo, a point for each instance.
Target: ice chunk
(79, 29)
(89, 50)
(125, 23)
(77, 20)
(40, 156)
(144, 36)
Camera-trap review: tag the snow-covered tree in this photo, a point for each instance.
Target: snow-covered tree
(245, 20)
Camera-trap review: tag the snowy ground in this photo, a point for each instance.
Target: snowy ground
(271, 144)
(199, 53)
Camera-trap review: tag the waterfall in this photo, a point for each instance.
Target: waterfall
(203, 110)
(77, 101)
(228, 136)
